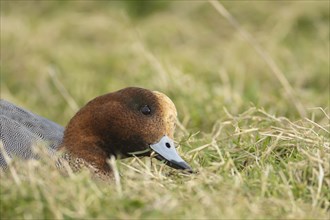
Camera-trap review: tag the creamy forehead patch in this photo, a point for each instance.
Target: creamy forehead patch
(167, 104)
(169, 112)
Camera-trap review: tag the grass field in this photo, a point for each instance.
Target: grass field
(250, 80)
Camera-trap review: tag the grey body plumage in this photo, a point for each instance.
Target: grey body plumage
(20, 130)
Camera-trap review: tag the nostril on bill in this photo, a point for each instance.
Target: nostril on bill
(168, 145)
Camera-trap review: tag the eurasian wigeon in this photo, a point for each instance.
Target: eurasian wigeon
(129, 122)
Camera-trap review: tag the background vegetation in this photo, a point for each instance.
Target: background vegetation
(251, 88)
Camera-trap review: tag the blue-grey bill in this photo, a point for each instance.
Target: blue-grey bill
(165, 149)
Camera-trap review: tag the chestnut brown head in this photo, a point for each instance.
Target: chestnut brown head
(131, 121)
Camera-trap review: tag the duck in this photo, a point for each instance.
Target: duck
(131, 122)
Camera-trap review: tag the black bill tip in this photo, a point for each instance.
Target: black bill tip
(179, 165)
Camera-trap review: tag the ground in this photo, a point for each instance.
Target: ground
(250, 80)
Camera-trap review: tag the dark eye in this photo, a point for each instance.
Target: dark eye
(145, 110)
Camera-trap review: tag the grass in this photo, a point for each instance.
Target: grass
(258, 154)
